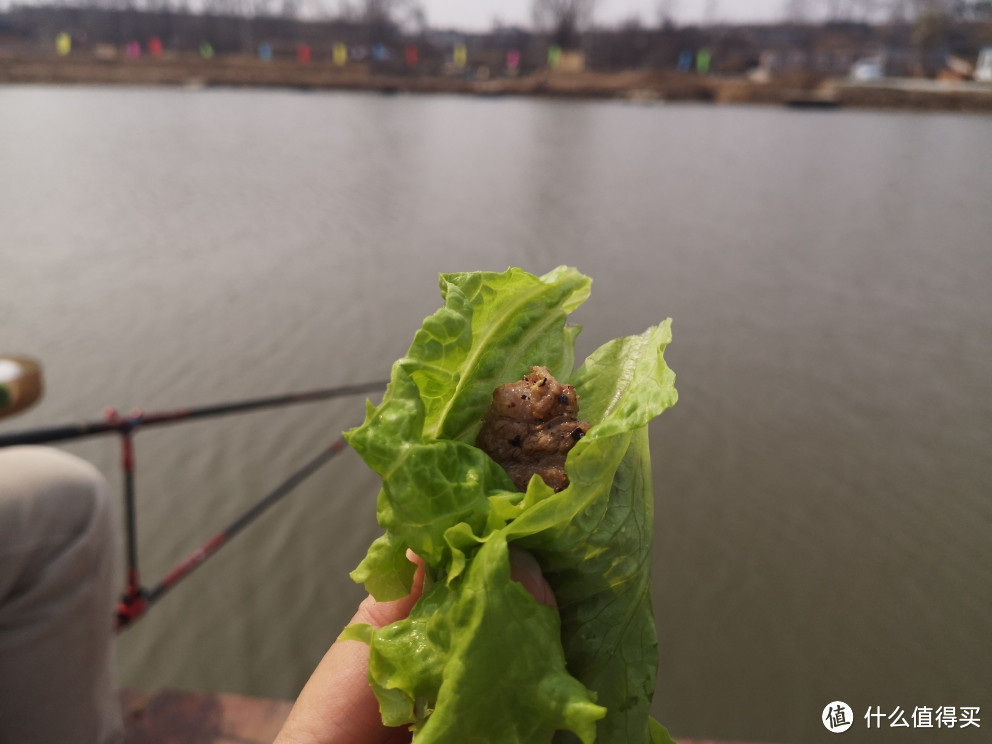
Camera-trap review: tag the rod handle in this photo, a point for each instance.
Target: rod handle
(20, 383)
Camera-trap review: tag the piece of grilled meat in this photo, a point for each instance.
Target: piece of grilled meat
(531, 426)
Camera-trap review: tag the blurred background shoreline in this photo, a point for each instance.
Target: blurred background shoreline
(919, 55)
(635, 86)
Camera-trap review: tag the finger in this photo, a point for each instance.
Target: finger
(337, 705)
(525, 569)
(378, 614)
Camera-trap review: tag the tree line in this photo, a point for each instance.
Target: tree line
(239, 26)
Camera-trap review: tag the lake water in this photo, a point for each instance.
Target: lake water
(824, 486)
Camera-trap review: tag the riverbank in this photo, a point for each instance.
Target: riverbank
(637, 85)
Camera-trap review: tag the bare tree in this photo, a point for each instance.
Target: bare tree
(563, 18)
(899, 11)
(711, 12)
(930, 29)
(796, 11)
(833, 9)
(865, 10)
(385, 18)
(347, 11)
(222, 7)
(262, 7)
(666, 10)
(967, 10)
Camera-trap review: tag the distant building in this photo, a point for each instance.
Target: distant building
(866, 70)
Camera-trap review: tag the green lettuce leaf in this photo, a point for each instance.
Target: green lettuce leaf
(478, 659)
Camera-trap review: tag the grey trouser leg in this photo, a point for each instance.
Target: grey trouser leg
(57, 677)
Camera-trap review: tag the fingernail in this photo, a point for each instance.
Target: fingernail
(525, 570)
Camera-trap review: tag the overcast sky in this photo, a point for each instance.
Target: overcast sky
(478, 15)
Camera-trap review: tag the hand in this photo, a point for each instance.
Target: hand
(337, 706)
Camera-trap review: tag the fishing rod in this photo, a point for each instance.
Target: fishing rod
(137, 600)
(112, 422)
(20, 386)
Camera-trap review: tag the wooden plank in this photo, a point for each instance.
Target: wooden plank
(177, 717)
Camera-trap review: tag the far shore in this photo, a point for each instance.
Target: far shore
(636, 85)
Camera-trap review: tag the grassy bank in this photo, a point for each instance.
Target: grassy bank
(639, 85)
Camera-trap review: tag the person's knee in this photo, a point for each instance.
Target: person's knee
(56, 599)
(55, 518)
(45, 488)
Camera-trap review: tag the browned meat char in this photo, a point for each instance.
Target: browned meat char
(530, 427)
